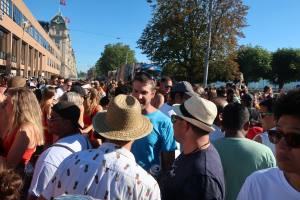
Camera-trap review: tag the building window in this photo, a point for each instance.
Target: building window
(6, 7)
(17, 16)
(3, 42)
(23, 48)
(14, 49)
(30, 57)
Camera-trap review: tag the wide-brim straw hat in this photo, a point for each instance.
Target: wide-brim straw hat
(197, 111)
(123, 120)
(16, 82)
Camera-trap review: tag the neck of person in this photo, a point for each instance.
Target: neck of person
(124, 144)
(148, 109)
(235, 133)
(196, 143)
(293, 179)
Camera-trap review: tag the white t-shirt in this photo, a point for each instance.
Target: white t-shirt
(265, 140)
(268, 184)
(167, 109)
(58, 93)
(51, 158)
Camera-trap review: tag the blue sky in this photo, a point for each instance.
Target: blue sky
(272, 24)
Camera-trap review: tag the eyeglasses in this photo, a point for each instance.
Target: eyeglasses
(291, 139)
(264, 114)
(174, 118)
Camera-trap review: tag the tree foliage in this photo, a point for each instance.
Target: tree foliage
(286, 66)
(113, 57)
(81, 74)
(177, 34)
(254, 62)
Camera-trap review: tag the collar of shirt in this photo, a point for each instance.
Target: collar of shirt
(109, 147)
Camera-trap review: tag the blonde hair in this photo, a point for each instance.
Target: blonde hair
(72, 97)
(25, 109)
(91, 101)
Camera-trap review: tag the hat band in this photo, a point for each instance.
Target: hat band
(186, 113)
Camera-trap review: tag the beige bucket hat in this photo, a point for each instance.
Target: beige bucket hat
(197, 111)
(123, 120)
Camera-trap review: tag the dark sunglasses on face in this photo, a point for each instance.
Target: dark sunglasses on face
(264, 114)
(291, 139)
(174, 118)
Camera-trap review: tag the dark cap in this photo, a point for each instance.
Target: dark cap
(183, 87)
(247, 98)
(68, 110)
(78, 89)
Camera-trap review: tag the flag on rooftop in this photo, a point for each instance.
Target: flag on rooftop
(62, 2)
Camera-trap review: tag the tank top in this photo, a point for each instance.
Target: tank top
(7, 144)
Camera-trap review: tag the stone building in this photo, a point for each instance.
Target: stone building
(31, 48)
(58, 31)
(26, 49)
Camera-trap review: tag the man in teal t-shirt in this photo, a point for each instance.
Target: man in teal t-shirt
(239, 155)
(156, 151)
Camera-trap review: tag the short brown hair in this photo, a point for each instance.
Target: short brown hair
(11, 184)
(145, 78)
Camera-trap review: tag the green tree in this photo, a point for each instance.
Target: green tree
(255, 63)
(286, 66)
(177, 34)
(81, 75)
(113, 57)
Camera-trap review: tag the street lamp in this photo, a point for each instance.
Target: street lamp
(206, 63)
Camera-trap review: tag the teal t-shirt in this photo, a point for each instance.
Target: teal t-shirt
(240, 157)
(147, 149)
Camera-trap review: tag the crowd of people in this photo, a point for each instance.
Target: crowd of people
(147, 139)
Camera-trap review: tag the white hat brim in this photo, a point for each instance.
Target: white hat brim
(195, 122)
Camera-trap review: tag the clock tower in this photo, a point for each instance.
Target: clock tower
(59, 33)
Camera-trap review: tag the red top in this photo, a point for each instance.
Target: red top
(8, 142)
(88, 120)
(252, 132)
(48, 136)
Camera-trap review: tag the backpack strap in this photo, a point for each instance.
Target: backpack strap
(63, 146)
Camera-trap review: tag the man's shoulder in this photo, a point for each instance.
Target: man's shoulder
(98, 160)
(159, 117)
(258, 148)
(270, 174)
(241, 143)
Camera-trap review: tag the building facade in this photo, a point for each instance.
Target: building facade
(26, 49)
(31, 48)
(59, 33)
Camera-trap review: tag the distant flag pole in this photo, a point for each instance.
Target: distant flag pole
(61, 3)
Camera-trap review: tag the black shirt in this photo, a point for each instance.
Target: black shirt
(198, 175)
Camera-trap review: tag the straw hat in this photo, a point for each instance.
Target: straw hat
(123, 120)
(198, 111)
(16, 81)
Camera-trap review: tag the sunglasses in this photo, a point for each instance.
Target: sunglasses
(264, 114)
(291, 139)
(174, 118)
